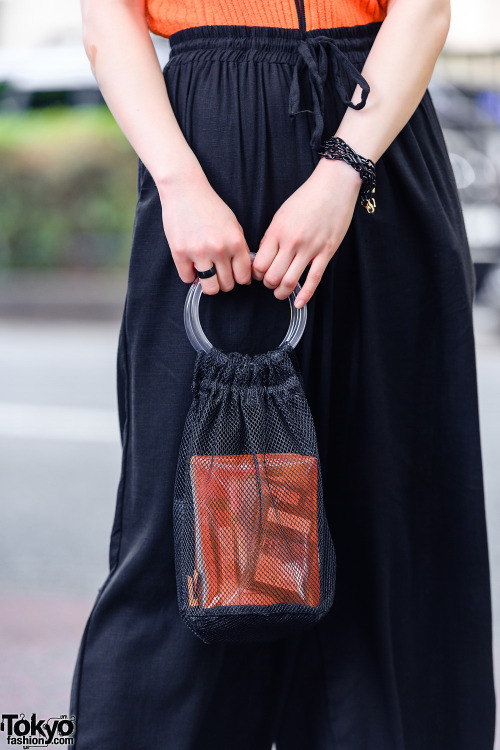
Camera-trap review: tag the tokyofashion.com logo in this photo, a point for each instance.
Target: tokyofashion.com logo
(38, 732)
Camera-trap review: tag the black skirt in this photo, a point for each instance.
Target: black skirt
(404, 659)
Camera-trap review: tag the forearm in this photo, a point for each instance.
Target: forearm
(398, 69)
(126, 68)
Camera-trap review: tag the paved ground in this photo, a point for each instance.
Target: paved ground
(59, 469)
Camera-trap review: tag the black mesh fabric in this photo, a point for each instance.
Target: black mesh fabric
(254, 557)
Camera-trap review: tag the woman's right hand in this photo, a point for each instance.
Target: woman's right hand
(200, 228)
(203, 231)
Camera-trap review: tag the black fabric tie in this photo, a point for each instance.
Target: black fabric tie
(317, 70)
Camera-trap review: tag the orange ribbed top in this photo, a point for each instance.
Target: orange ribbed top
(165, 17)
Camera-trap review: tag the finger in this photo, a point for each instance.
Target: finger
(278, 267)
(268, 249)
(185, 266)
(210, 285)
(222, 261)
(242, 266)
(313, 278)
(292, 276)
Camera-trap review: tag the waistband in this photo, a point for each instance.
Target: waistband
(344, 47)
(233, 42)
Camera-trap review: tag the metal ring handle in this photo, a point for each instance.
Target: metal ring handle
(197, 337)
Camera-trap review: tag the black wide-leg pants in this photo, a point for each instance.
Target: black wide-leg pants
(404, 659)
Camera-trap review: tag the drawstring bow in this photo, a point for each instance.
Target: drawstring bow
(317, 66)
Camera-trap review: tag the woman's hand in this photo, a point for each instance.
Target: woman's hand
(308, 229)
(203, 231)
(200, 228)
(310, 225)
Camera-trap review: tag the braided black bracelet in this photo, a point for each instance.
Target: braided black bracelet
(337, 148)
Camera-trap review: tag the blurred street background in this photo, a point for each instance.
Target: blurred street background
(67, 198)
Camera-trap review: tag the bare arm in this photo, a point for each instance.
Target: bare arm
(200, 228)
(399, 67)
(309, 227)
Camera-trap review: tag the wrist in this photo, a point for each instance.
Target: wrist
(364, 143)
(335, 148)
(335, 170)
(189, 174)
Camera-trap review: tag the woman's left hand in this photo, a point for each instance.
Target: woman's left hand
(307, 229)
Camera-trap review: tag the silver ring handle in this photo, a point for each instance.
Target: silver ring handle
(197, 337)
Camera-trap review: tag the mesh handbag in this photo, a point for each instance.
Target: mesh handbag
(254, 556)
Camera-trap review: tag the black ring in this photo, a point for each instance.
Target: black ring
(207, 274)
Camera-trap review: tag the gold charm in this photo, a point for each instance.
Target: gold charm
(370, 204)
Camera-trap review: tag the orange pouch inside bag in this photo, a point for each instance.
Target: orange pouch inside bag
(256, 530)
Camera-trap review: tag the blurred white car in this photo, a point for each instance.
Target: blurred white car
(58, 73)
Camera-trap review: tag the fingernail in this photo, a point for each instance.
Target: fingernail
(299, 302)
